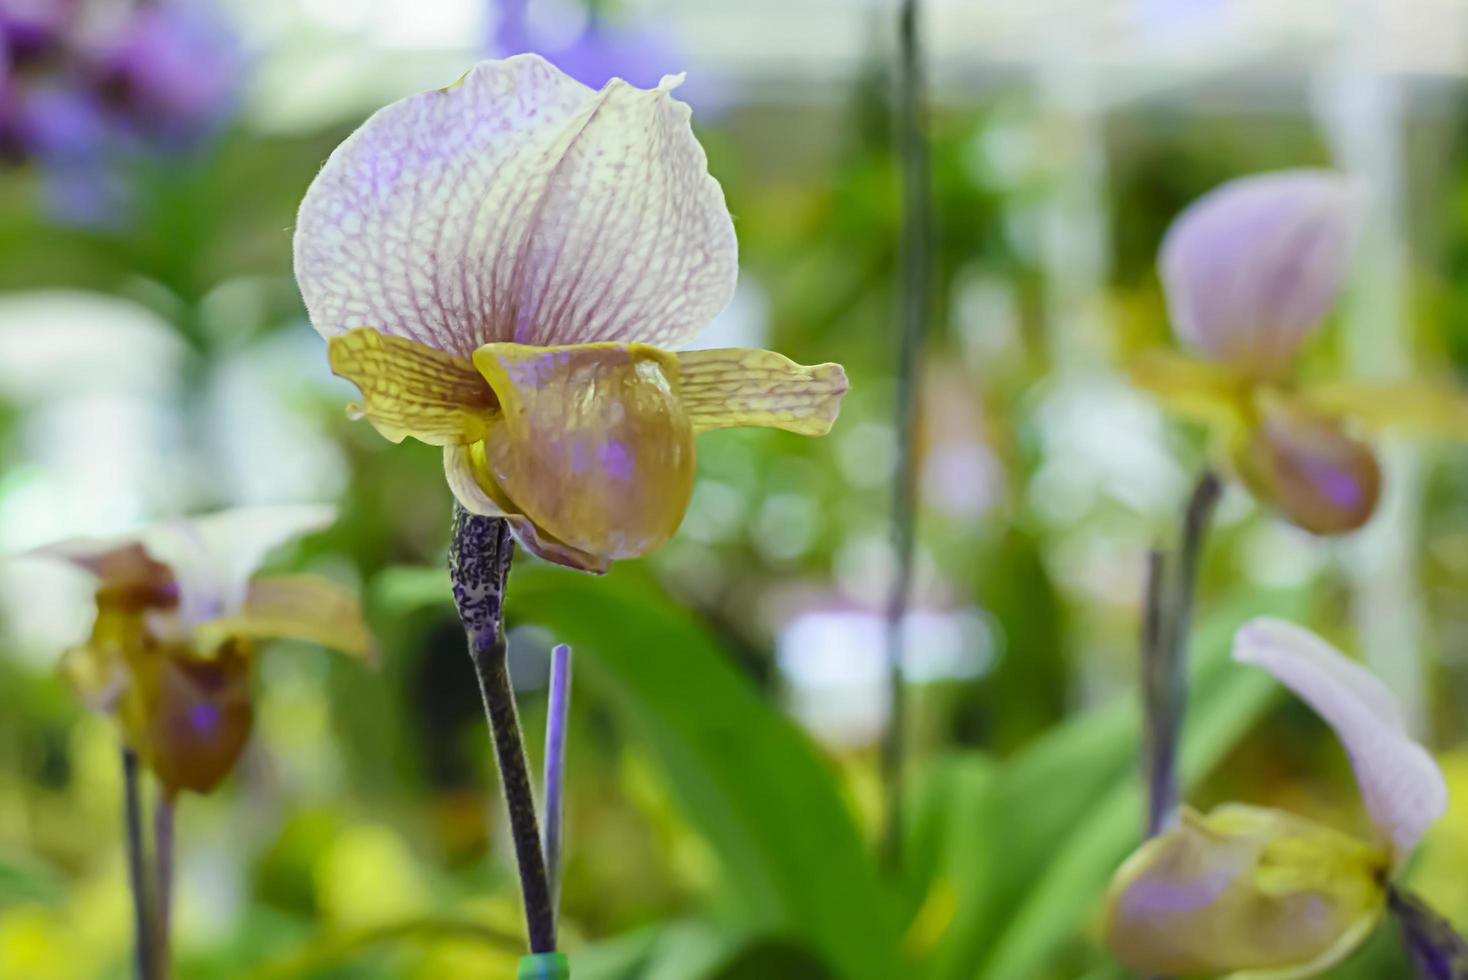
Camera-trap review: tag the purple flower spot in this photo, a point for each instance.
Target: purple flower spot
(204, 718)
(617, 460)
(1339, 486)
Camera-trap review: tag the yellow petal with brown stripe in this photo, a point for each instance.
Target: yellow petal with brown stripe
(411, 389)
(736, 386)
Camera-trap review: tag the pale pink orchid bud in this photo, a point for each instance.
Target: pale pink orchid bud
(1252, 267)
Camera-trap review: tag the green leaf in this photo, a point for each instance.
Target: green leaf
(772, 959)
(25, 880)
(745, 776)
(1012, 818)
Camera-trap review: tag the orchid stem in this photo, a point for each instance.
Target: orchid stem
(1436, 950)
(916, 232)
(1169, 615)
(144, 954)
(555, 765)
(163, 822)
(1156, 694)
(480, 552)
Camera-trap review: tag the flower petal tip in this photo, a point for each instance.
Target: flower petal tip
(1401, 784)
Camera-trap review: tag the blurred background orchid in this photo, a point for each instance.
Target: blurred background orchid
(170, 654)
(1251, 269)
(1254, 890)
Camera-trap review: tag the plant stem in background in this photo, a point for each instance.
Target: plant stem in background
(1434, 946)
(480, 552)
(163, 814)
(1169, 613)
(1156, 693)
(144, 931)
(916, 232)
(555, 764)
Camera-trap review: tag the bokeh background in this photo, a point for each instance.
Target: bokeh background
(724, 789)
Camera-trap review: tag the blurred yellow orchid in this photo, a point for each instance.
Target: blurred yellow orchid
(1250, 270)
(1256, 893)
(178, 615)
(502, 266)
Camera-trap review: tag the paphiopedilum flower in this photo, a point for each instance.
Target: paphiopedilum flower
(1250, 271)
(503, 267)
(1256, 892)
(179, 614)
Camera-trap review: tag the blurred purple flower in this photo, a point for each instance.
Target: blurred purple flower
(30, 29)
(593, 50)
(88, 88)
(61, 123)
(173, 71)
(68, 131)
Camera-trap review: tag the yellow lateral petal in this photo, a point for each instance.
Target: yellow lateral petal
(473, 486)
(738, 386)
(592, 445)
(1205, 392)
(1244, 891)
(296, 607)
(1415, 407)
(410, 389)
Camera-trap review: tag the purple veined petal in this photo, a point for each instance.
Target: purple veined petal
(1252, 267)
(1400, 782)
(519, 205)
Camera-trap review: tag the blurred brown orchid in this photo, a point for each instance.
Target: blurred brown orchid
(1250, 271)
(178, 618)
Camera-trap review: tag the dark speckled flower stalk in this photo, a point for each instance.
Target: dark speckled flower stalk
(480, 552)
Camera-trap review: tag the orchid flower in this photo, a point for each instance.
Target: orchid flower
(1250, 270)
(1256, 892)
(503, 267)
(179, 611)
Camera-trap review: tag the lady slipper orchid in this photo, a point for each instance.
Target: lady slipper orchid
(1250, 270)
(1255, 892)
(179, 612)
(503, 266)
